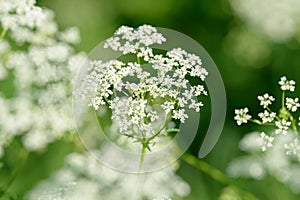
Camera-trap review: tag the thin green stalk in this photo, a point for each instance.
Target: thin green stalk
(272, 111)
(162, 128)
(214, 173)
(24, 155)
(283, 100)
(3, 33)
(138, 60)
(207, 169)
(256, 121)
(143, 153)
(294, 125)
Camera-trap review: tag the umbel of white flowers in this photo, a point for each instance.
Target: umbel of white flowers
(158, 79)
(284, 121)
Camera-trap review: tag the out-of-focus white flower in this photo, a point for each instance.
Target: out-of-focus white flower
(265, 141)
(247, 48)
(247, 168)
(242, 116)
(70, 35)
(83, 177)
(163, 198)
(273, 162)
(249, 143)
(39, 106)
(58, 52)
(27, 22)
(265, 16)
(293, 148)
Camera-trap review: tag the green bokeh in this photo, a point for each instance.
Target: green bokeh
(209, 23)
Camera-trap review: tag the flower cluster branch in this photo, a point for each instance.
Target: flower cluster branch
(284, 121)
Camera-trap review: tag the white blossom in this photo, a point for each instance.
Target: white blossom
(285, 84)
(292, 104)
(267, 116)
(127, 39)
(195, 105)
(266, 100)
(242, 116)
(282, 126)
(164, 82)
(180, 114)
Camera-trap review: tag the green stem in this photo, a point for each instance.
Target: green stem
(3, 33)
(256, 121)
(162, 128)
(143, 153)
(138, 60)
(283, 100)
(207, 169)
(272, 111)
(24, 155)
(214, 173)
(294, 125)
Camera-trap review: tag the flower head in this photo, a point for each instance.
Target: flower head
(287, 85)
(282, 126)
(292, 104)
(242, 116)
(267, 116)
(131, 89)
(266, 100)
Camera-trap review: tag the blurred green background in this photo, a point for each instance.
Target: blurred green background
(249, 66)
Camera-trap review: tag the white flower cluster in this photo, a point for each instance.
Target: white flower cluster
(38, 77)
(83, 177)
(292, 104)
(265, 100)
(242, 116)
(273, 162)
(287, 85)
(265, 16)
(134, 89)
(26, 22)
(128, 40)
(283, 121)
(267, 117)
(282, 126)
